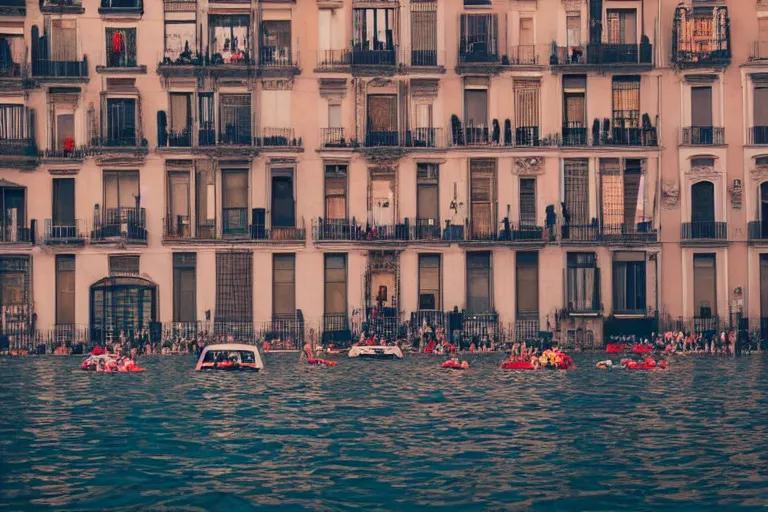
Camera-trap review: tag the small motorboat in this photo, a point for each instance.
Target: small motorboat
(230, 357)
(321, 362)
(453, 364)
(375, 352)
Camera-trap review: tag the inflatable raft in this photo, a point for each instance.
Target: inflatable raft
(646, 364)
(321, 362)
(107, 363)
(455, 365)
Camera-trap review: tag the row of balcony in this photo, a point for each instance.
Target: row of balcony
(232, 135)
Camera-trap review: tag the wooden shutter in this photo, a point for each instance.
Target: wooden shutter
(701, 106)
(429, 282)
(527, 283)
(527, 202)
(184, 287)
(761, 106)
(704, 284)
(335, 283)
(284, 285)
(65, 289)
(479, 282)
(483, 196)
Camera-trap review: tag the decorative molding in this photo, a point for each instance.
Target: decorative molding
(703, 172)
(333, 87)
(425, 88)
(380, 82)
(736, 192)
(700, 78)
(531, 165)
(759, 173)
(670, 191)
(277, 85)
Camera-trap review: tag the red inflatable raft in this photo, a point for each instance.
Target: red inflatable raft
(455, 365)
(641, 349)
(322, 362)
(647, 364)
(516, 365)
(615, 348)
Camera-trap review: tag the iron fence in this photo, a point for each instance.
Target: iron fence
(704, 230)
(703, 135)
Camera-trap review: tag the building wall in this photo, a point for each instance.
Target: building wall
(664, 96)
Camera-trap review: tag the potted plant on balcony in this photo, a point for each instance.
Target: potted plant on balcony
(553, 55)
(507, 132)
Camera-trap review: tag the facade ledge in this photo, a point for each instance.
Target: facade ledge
(133, 70)
(341, 68)
(227, 151)
(60, 80)
(62, 9)
(481, 68)
(118, 242)
(423, 70)
(704, 243)
(583, 314)
(231, 240)
(703, 146)
(601, 68)
(361, 244)
(182, 71)
(279, 72)
(373, 70)
(18, 162)
(121, 14)
(521, 244)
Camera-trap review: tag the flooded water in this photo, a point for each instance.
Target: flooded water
(376, 435)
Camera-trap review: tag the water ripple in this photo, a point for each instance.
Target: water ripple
(384, 436)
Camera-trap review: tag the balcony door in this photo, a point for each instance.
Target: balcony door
(763, 286)
(382, 120)
(12, 209)
(234, 198)
(382, 199)
(121, 122)
(622, 26)
(703, 202)
(63, 202)
(283, 204)
(764, 210)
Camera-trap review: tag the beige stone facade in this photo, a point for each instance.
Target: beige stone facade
(361, 161)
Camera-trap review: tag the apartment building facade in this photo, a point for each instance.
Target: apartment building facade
(583, 167)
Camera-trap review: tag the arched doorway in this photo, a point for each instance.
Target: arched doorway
(125, 304)
(703, 209)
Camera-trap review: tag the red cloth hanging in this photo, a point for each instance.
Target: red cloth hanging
(117, 41)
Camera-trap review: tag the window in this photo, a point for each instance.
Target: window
(704, 286)
(760, 102)
(527, 203)
(381, 198)
(427, 201)
(526, 35)
(626, 102)
(121, 47)
(764, 286)
(180, 41)
(275, 112)
(335, 284)
(573, 29)
(276, 43)
(121, 191)
(479, 298)
(63, 42)
(429, 282)
(65, 132)
(576, 188)
(622, 186)
(334, 116)
(15, 122)
(424, 33)
(574, 104)
(12, 214)
(582, 283)
(12, 54)
(205, 201)
(381, 129)
(479, 38)
(123, 265)
(527, 284)
(622, 26)
(374, 30)
(701, 107)
(483, 198)
(284, 285)
(235, 119)
(527, 94)
(230, 38)
(629, 282)
(184, 287)
(180, 120)
(335, 192)
(703, 202)
(234, 288)
(330, 33)
(65, 289)
(63, 202)
(476, 115)
(178, 223)
(121, 122)
(234, 197)
(206, 122)
(283, 209)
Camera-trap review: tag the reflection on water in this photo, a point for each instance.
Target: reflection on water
(394, 435)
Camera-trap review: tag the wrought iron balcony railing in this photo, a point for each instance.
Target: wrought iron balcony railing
(125, 223)
(334, 138)
(607, 54)
(703, 135)
(574, 135)
(642, 232)
(759, 51)
(278, 57)
(644, 137)
(18, 147)
(121, 7)
(704, 230)
(175, 139)
(758, 230)
(8, 67)
(60, 233)
(580, 232)
(330, 59)
(758, 135)
(362, 56)
(13, 234)
(527, 55)
(13, 8)
(44, 68)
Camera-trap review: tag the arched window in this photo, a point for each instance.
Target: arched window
(703, 202)
(122, 305)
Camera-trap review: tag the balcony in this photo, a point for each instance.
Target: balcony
(758, 231)
(13, 8)
(174, 139)
(576, 233)
(11, 234)
(122, 8)
(118, 144)
(61, 7)
(639, 137)
(481, 326)
(629, 234)
(59, 70)
(282, 333)
(120, 224)
(701, 38)
(335, 138)
(180, 5)
(334, 60)
(702, 136)
(574, 135)
(704, 231)
(414, 139)
(278, 61)
(11, 71)
(18, 148)
(613, 55)
(64, 233)
(273, 138)
(527, 55)
(235, 229)
(63, 154)
(377, 61)
(349, 230)
(758, 135)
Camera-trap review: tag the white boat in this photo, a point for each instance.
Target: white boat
(376, 352)
(230, 357)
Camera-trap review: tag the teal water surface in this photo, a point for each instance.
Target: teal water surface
(384, 435)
